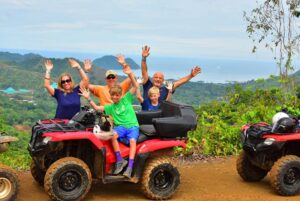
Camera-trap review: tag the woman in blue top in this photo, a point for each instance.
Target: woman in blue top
(67, 94)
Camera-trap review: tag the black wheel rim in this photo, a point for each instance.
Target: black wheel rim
(292, 176)
(69, 181)
(162, 179)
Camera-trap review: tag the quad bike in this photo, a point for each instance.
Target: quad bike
(68, 155)
(9, 182)
(271, 149)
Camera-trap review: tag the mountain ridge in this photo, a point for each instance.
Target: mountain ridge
(110, 62)
(29, 60)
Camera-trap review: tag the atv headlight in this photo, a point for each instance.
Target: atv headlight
(46, 140)
(269, 141)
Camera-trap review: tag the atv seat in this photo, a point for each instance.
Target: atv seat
(172, 121)
(142, 138)
(147, 132)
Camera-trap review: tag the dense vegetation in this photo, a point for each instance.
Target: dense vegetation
(219, 122)
(17, 155)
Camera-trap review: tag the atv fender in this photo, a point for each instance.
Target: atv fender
(79, 135)
(283, 137)
(4, 141)
(157, 144)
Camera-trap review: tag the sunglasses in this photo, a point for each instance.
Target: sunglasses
(65, 81)
(110, 77)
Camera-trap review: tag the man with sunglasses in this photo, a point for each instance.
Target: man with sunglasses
(102, 92)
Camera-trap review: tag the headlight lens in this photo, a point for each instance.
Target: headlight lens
(269, 141)
(46, 140)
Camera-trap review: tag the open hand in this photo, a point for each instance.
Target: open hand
(48, 64)
(145, 51)
(127, 70)
(195, 71)
(140, 80)
(73, 63)
(84, 92)
(121, 59)
(87, 65)
(169, 85)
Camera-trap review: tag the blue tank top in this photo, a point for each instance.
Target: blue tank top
(68, 104)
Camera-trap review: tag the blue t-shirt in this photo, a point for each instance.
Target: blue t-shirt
(162, 90)
(68, 104)
(147, 105)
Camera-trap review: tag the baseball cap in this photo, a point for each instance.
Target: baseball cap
(110, 72)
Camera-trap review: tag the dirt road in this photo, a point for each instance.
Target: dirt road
(207, 181)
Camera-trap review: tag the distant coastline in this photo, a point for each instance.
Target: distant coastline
(213, 70)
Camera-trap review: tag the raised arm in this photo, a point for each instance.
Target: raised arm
(84, 78)
(92, 88)
(47, 83)
(88, 68)
(127, 70)
(170, 86)
(86, 94)
(87, 65)
(195, 71)
(140, 98)
(145, 54)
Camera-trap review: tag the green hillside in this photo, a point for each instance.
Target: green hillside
(27, 72)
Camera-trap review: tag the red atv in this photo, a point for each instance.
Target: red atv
(9, 181)
(67, 155)
(275, 150)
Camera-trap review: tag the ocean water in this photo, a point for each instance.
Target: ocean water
(213, 70)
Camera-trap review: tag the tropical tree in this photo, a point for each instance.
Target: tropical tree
(275, 25)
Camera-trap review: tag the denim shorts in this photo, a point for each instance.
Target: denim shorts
(127, 133)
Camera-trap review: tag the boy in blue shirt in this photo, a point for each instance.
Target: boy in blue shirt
(152, 101)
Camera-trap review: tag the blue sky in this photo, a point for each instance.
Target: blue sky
(189, 28)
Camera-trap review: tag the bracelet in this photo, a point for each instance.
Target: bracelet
(144, 59)
(79, 68)
(48, 71)
(89, 100)
(47, 78)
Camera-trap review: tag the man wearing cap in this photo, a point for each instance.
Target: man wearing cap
(102, 92)
(158, 78)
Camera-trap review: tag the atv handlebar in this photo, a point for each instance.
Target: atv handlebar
(101, 114)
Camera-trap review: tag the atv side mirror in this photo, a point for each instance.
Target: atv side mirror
(98, 113)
